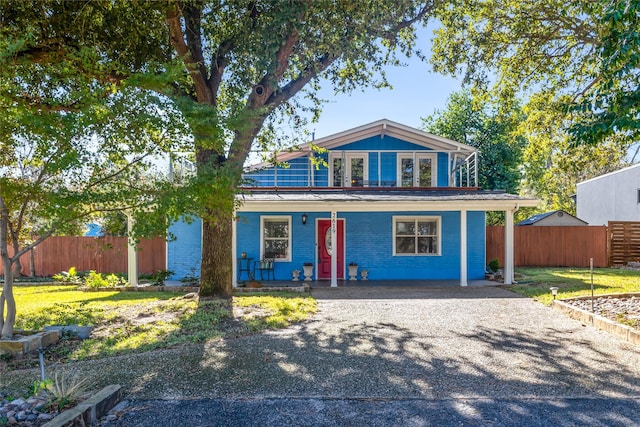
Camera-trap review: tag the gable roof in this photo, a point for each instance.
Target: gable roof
(539, 217)
(382, 128)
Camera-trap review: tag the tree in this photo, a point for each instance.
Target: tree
(552, 165)
(584, 54)
(69, 151)
(492, 132)
(610, 104)
(242, 63)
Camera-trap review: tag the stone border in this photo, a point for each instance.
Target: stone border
(300, 289)
(91, 410)
(625, 332)
(149, 288)
(28, 342)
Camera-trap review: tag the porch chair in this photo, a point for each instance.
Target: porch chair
(264, 265)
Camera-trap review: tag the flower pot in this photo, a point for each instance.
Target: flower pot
(308, 272)
(296, 275)
(353, 272)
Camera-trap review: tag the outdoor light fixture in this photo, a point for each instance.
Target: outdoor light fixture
(304, 218)
(554, 292)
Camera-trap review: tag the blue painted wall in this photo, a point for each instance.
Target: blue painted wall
(185, 252)
(297, 174)
(369, 243)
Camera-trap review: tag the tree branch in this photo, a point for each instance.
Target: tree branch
(203, 93)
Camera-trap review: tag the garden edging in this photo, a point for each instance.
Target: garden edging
(625, 332)
(91, 410)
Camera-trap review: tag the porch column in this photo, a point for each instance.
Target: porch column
(234, 259)
(132, 254)
(334, 251)
(463, 247)
(508, 247)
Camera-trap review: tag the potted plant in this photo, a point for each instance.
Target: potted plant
(307, 268)
(353, 271)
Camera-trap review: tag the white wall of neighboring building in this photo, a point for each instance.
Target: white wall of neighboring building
(610, 197)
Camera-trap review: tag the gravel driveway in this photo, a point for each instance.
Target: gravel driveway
(372, 344)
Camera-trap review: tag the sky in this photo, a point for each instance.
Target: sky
(417, 92)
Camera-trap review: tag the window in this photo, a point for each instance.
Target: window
(276, 238)
(416, 235)
(417, 170)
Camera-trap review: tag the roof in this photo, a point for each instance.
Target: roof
(539, 217)
(628, 168)
(299, 199)
(383, 127)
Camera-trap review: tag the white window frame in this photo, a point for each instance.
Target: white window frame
(346, 157)
(415, 156)
(437, 219)
(264, 219)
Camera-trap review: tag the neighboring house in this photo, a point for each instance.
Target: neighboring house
(558, 217)
(611, 197)
(401, 203)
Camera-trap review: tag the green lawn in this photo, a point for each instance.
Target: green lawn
(573, 282)
(127, 322)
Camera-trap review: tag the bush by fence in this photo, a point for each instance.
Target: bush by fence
(102, 254)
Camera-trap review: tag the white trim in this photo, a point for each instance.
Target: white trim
(334, 249)
(264, 218)
(438, 221)
(508, 247)
(383, 206)
(463, 248)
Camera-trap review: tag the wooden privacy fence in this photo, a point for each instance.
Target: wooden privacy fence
(102, 254)
(556, 246)
(624, 242)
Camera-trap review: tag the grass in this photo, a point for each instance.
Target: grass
(574, 282)
(130, 322)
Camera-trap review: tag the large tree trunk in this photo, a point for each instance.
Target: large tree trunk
(216, 274)
(8, 308)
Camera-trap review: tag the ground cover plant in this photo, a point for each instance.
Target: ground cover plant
(129, 322)
(574, 282)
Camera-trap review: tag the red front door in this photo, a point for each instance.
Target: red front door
(325, 247)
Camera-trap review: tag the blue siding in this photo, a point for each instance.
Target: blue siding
(303, 240)
(476, 248)
(387, 143)
(443, 173)
(369, 243)
(322, 172)
(388, 166)
(185, 252)
(373, 167)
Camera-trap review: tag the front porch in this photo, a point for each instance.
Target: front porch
(289, 284)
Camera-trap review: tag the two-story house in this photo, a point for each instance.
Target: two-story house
(400, 203)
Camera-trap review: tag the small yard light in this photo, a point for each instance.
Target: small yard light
(554, 292)
(304, 218)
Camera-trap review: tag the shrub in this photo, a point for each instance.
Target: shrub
(494, 265)
(161, 276)
(70, 276)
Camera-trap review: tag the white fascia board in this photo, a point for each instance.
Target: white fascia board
(387, 206)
